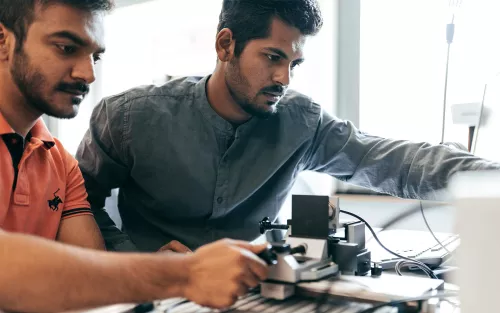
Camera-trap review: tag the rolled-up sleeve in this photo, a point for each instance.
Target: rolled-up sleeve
(103, 160)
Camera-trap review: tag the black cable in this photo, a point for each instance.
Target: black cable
(415, 208)
(430, 229)
(450, 33)
(441, 295)
(405, 263)
(426, 269)
(324, 295)
(445, 93)
(479, 121)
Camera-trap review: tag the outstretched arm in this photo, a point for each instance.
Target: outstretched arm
(400, 168)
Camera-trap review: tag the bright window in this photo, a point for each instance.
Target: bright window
(403, 58)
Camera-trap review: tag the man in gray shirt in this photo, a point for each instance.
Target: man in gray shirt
(199, 159)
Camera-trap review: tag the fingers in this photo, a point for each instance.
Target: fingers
(251, 263)
(250, 280)
(254, 263)
(254, 248)
(259, 268)
(258, 248)
(230, 261)
(179, 247)
(241, 291)
(175, 246)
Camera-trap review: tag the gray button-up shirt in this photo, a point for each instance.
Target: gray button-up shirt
(185, 173)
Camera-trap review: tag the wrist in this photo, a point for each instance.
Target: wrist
(163, 275)
(185, 270)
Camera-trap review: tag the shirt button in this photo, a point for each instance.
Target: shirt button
(219, 200)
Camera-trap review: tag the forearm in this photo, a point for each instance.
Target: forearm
(45, 276)
(396, 167)
(413, 170)
(433, 166)
(81, 231)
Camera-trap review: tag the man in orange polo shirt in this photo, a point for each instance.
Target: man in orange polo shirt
(47, 53)
(46, 68)
(41, 188)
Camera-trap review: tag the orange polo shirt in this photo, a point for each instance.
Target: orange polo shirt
(40, 182)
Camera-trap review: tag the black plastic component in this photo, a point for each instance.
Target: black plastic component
(299, 249)
(268, 256)
(376, 270)
(266, 224)
(144, 307)
(350, 258)
(281, 248)
(310, 216)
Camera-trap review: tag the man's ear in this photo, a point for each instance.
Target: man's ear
(6, 39)
(224, 45)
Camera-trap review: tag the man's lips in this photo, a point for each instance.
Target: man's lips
(74, 92)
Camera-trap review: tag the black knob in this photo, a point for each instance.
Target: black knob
(298, 249)
(268, 256)
(266, 224)
(281, 248)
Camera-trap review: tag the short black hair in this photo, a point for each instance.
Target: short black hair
(251, 19)
(17, 15)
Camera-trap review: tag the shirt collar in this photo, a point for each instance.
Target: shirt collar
(38, 131)
(201, 100)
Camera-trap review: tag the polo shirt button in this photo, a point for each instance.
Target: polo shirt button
(219, 200)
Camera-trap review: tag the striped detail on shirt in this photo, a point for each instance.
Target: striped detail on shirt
(73, 212)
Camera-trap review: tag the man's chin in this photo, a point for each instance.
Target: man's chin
(261, 112)
(64, 114)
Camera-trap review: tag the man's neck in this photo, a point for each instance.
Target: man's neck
(15, 109)
(222, 102)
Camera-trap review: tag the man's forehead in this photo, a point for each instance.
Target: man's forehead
(58, 18)
(286, 38)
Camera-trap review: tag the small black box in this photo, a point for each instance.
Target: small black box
(310, 216)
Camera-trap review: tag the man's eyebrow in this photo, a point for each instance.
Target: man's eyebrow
(282, 54)
(76, 39)
(278, 52)
(71, 36)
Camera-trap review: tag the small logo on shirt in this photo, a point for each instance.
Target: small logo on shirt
(54, 203)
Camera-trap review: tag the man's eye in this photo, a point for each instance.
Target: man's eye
(97, 58)
(273, 58)
(67, 49)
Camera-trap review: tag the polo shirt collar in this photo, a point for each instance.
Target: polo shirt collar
(39, 131)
